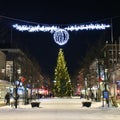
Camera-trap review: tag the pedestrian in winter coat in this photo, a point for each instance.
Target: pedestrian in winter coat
(7, 98)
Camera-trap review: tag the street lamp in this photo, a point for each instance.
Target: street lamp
(19, 71)
(105, 92)
(31, 87)
(3, 72)
(38, 83)
(17, 83)
(85, 87)
(113, 77)
(99, 80)
(106, 72)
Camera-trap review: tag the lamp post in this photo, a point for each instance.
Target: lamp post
(85, 87)
(105, 92)
(106, 72)
(16, 93)
(38, 81)
(26, 96)
(114, 87)
(31, 87)
(17, 83)
(99, 62)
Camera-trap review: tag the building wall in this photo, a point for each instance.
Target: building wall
(2, 65)
(17, 60)
(4, 88)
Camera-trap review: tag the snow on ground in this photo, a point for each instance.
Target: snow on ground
(60, 109)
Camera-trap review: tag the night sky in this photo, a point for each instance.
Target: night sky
(41, 45)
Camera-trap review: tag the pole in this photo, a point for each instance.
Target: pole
(114, 85)
(106, 79)
(16, 96)
(11, 42)
(26, 96)
(111, 32)
(99, 78)
(31, 90)
(113, 60)
(10, 79)
(85, 87)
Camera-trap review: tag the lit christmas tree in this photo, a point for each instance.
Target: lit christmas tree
(62, 86)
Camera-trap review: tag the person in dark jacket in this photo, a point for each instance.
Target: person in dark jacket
(7, 98)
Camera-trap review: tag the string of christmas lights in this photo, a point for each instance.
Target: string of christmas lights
(54, 28)
(60, 34)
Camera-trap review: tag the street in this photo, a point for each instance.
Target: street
(62, 109)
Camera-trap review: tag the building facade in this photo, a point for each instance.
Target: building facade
(16, 66)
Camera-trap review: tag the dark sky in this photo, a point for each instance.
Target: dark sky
(41, 45)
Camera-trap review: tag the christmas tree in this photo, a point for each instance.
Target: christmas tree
(62, 86)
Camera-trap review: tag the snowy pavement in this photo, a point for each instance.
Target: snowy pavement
(60, 109)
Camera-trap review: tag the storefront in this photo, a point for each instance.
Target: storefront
(4, 88)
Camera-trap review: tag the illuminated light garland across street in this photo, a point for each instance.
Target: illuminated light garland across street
(60, 35)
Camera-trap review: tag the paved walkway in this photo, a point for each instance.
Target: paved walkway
(60, 109)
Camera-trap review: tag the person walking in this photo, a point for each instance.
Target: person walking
(7, 98)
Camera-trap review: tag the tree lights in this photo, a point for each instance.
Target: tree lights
(60, 34)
